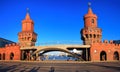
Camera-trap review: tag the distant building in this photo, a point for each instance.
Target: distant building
(3, 42)
(116, 41)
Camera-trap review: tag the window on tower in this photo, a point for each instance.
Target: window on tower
(92, 21)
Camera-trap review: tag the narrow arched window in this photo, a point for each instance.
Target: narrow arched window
(11, 56)
(92, 21)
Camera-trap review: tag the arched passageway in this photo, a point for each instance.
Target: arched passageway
(25, 55)
(116, 56)
(58, 49)
(103, 56)
(0, 56)
(11, 56)
(56, 55)
(3, 56)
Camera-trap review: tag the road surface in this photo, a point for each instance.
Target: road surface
(58, 66)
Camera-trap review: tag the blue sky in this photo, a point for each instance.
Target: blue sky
(58, 20)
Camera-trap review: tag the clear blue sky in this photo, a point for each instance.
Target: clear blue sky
(59, 20)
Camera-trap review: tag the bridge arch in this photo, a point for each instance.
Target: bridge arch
(52, 49)
(56, 49)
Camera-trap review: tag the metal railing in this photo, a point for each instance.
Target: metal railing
(59, 43)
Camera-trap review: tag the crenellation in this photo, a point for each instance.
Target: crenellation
(9, 45)
(13, 44)
(105, 41)
(6, 45)
(111, 41)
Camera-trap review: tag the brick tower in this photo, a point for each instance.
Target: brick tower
(27, 37)
(90, 33)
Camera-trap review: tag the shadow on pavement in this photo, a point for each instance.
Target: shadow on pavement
(34, 69)
(105, 66)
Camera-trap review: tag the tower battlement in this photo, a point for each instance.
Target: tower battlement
(106, 42)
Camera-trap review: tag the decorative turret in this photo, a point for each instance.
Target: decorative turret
(27, 23)
(90, 33)
(27, 37)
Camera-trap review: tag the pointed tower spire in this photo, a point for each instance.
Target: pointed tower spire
(27, 15)
(27, 23)
(89, 8)
(90, 12)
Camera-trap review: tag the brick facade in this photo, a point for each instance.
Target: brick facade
(10, 52)
(112, 51)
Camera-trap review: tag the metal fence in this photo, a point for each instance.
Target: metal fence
(58, 43)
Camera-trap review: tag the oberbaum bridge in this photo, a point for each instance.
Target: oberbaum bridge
(93, 49)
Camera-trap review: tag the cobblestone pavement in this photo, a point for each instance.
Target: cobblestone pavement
(58, 66)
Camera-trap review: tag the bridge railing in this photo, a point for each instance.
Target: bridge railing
(59, 43)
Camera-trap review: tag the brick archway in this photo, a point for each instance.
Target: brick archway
(58, 49)
(116, 55)
(11, 56)
(54, 49)
(3, 56)
(103, 56)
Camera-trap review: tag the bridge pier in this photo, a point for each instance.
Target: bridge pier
(37, 56)
(22, 55)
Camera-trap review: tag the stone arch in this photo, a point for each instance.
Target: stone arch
(50, 51)
(11, 56)
(0, 56)
(53, 49)
(56, 49)
(103, 56)
(116, 55)
(3, 56)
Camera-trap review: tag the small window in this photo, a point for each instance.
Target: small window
(94, 36)
(90, 35)
(92, 21)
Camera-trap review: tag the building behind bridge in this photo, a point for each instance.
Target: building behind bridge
(3, 42)
(91, 35)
